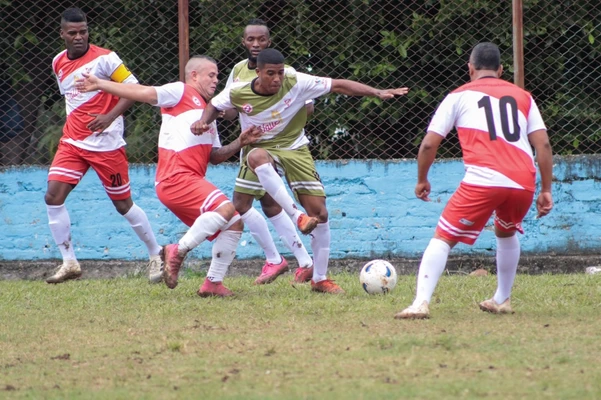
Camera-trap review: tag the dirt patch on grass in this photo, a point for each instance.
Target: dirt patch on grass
(103, 269)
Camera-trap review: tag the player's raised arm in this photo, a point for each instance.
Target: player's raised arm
(352, 88)
(144, 94)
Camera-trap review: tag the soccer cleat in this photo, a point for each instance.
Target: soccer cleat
(213, 289)
(413, 312)
(306, 224)
(271, 271)
(326, 286)
(172, 262)
(303, 275)
(155, 269)
(491, 306)
(69, 269)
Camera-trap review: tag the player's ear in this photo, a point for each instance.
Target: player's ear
(500, 71)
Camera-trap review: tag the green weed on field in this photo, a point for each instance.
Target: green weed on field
(126, 339)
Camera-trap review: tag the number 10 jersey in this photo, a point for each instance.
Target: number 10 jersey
(493, 118)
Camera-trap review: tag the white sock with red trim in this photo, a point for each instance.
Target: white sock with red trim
(60, 227)
(508, 257)
(224, 251)
(320, 244)
(287, 232)
(274, 185)
(206, 225)
(431, 268)
(139, 222)
(260, 232)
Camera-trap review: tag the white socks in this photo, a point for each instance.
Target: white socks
(224, 251)
(431, 268)
(260, 232)
(206, 225)
(60, 226)
(274, 185)
(320, 243)
(508, 256)
(287, 232)
(139, 222)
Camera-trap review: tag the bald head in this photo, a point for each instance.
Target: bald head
(196, 63)
(202, 74)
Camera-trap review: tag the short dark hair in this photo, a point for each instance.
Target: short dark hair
(486, 56)
(269, 56)
(256, 22)
(73, 15)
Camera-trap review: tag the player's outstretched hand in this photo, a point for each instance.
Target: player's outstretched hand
(198, 129)
(422, 191)
(390, 93)
(544, 204)
(89, 83)
(250, 135)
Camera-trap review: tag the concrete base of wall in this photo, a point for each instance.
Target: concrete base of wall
(95, 269)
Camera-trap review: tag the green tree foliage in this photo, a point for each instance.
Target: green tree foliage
(421, 44)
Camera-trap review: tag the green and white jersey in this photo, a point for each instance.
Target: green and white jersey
(282, 116)
(241, 73)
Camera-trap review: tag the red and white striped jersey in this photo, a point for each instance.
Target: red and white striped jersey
(104, 64)
(493, 118)
(180, 151)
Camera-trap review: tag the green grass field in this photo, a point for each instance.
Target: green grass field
(123, 339)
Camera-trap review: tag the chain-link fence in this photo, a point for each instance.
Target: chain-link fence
(421, 44)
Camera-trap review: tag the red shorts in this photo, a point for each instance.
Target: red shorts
(470, 208)
(188, 196)
(71, 163)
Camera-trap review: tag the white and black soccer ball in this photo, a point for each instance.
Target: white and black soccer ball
(378, 277)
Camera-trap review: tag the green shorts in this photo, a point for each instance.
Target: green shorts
(296, 166)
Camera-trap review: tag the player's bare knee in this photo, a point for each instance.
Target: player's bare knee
(257, 157)
(227, 211)
(270, 207)
(123, 206)
(242, 202)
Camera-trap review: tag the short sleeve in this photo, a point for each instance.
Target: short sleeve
(535, 119)
(116, 70)
(445, 116)
(313, 86)
(223, 100)
(230, 79)
(170, 94)
(216, 141)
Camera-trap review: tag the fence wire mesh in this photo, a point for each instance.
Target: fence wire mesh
(420, 44)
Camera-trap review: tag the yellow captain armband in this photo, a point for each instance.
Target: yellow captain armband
(120, 74)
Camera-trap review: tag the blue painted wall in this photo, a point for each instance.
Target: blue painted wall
(373, 212)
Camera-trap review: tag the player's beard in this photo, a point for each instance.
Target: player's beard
(251, 58)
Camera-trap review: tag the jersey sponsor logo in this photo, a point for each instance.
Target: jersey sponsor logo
(269, 126)
(196, 101)
(247, 108)
(287, 103)
(320, 81)
(60, 74)
(466, 222)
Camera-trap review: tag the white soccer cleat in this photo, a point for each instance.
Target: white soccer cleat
(155, 269)
(493, 307)
(68, 270)
(412, 312)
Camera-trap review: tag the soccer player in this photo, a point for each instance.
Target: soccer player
(275, 102)
(92, 137)
(183, 159)
(256, 38)
(497, 123)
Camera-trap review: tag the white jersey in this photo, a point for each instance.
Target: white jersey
(493, 119)
(282, 116)
(104, 64)
(180, 151)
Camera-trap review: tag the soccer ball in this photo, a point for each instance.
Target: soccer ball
(378, 277)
